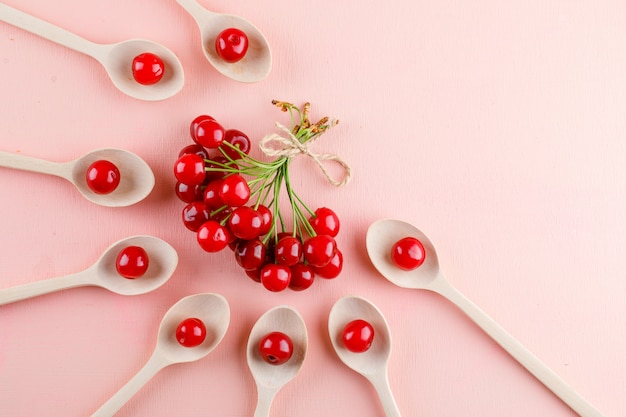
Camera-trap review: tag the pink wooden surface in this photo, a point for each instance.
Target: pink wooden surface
(496, 128)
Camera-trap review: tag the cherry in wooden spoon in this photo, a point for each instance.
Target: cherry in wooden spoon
(257, 62)
(117, 59)
(383, 234)
(372, 363)
(163, 260)
(270, 378)
(136, 177)
(212, 309)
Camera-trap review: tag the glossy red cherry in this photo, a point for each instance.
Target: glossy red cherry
(195, 214)
(237, 139)
(245, 223)
(319, 250)
(288, 251)
(188, 193)
(235, 191)
(325, 222)
(209, 134)
(194, 148)
(212, 236)
(302, 277)
(132, 262)
(357, 336)
(250, 254)
(189, 169)
(254, 274)
(331, 269)
(216, 163)
(266, 216)
(275, 277)
(195, 122)
(191, 332)
(102, 177)
(408, 253)
(231, 44)
(276, 348)
(211, 195)
(148, 68)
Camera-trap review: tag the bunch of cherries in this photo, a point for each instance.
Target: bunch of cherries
(233, 201)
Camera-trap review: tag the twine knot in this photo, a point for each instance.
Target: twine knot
(288, 145)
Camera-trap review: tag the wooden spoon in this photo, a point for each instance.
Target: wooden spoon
(372, 363)
(115, 58)
(163, 260)
(136, 177)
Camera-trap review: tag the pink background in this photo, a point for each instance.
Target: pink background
(495, 127)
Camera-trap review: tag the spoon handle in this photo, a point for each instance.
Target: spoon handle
(380, 382)
(121, 397)
(544, 374)
(194, 9)
(46, 30)
(265, 397)
(28, 163)
(37, 288)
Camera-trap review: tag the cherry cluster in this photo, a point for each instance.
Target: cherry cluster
(233, 201)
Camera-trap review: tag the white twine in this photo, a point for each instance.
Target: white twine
(289, 146)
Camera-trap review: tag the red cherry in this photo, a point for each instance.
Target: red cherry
(245, 223)
(266, 215)
(188, 193)
(288, 251)
(213, 164)
(276, 348)
(102, 177)
(254, 274)
(408, 253)
(194, 124)
(231, 44)
(209, 134)
(239, 140)
(212, 236)
(191, 332)
(189, 169)
(331, 269)
(302, 277)
(211, 195)
(250, 254)
(325, 222)
(132, 262)
(235, 191)
(195, 214)
(275, 277)
(357, 336)
(148, 68)
(319, 250)
(194, 148)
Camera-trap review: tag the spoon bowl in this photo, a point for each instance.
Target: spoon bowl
(163, 261)
(212, 309)
(380, 238)
(115, 58)
(271, 378)
(162, 257)
(255, 65)
(136, 177)
(372, 363)
(382, 235)
(117, 61)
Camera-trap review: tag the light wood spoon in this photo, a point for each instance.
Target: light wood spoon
(372, 363)
(115, 58)
(271, 378)
(256, 64)
(136, 177)
(162, 257)
(383, 234)
(212, 309)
